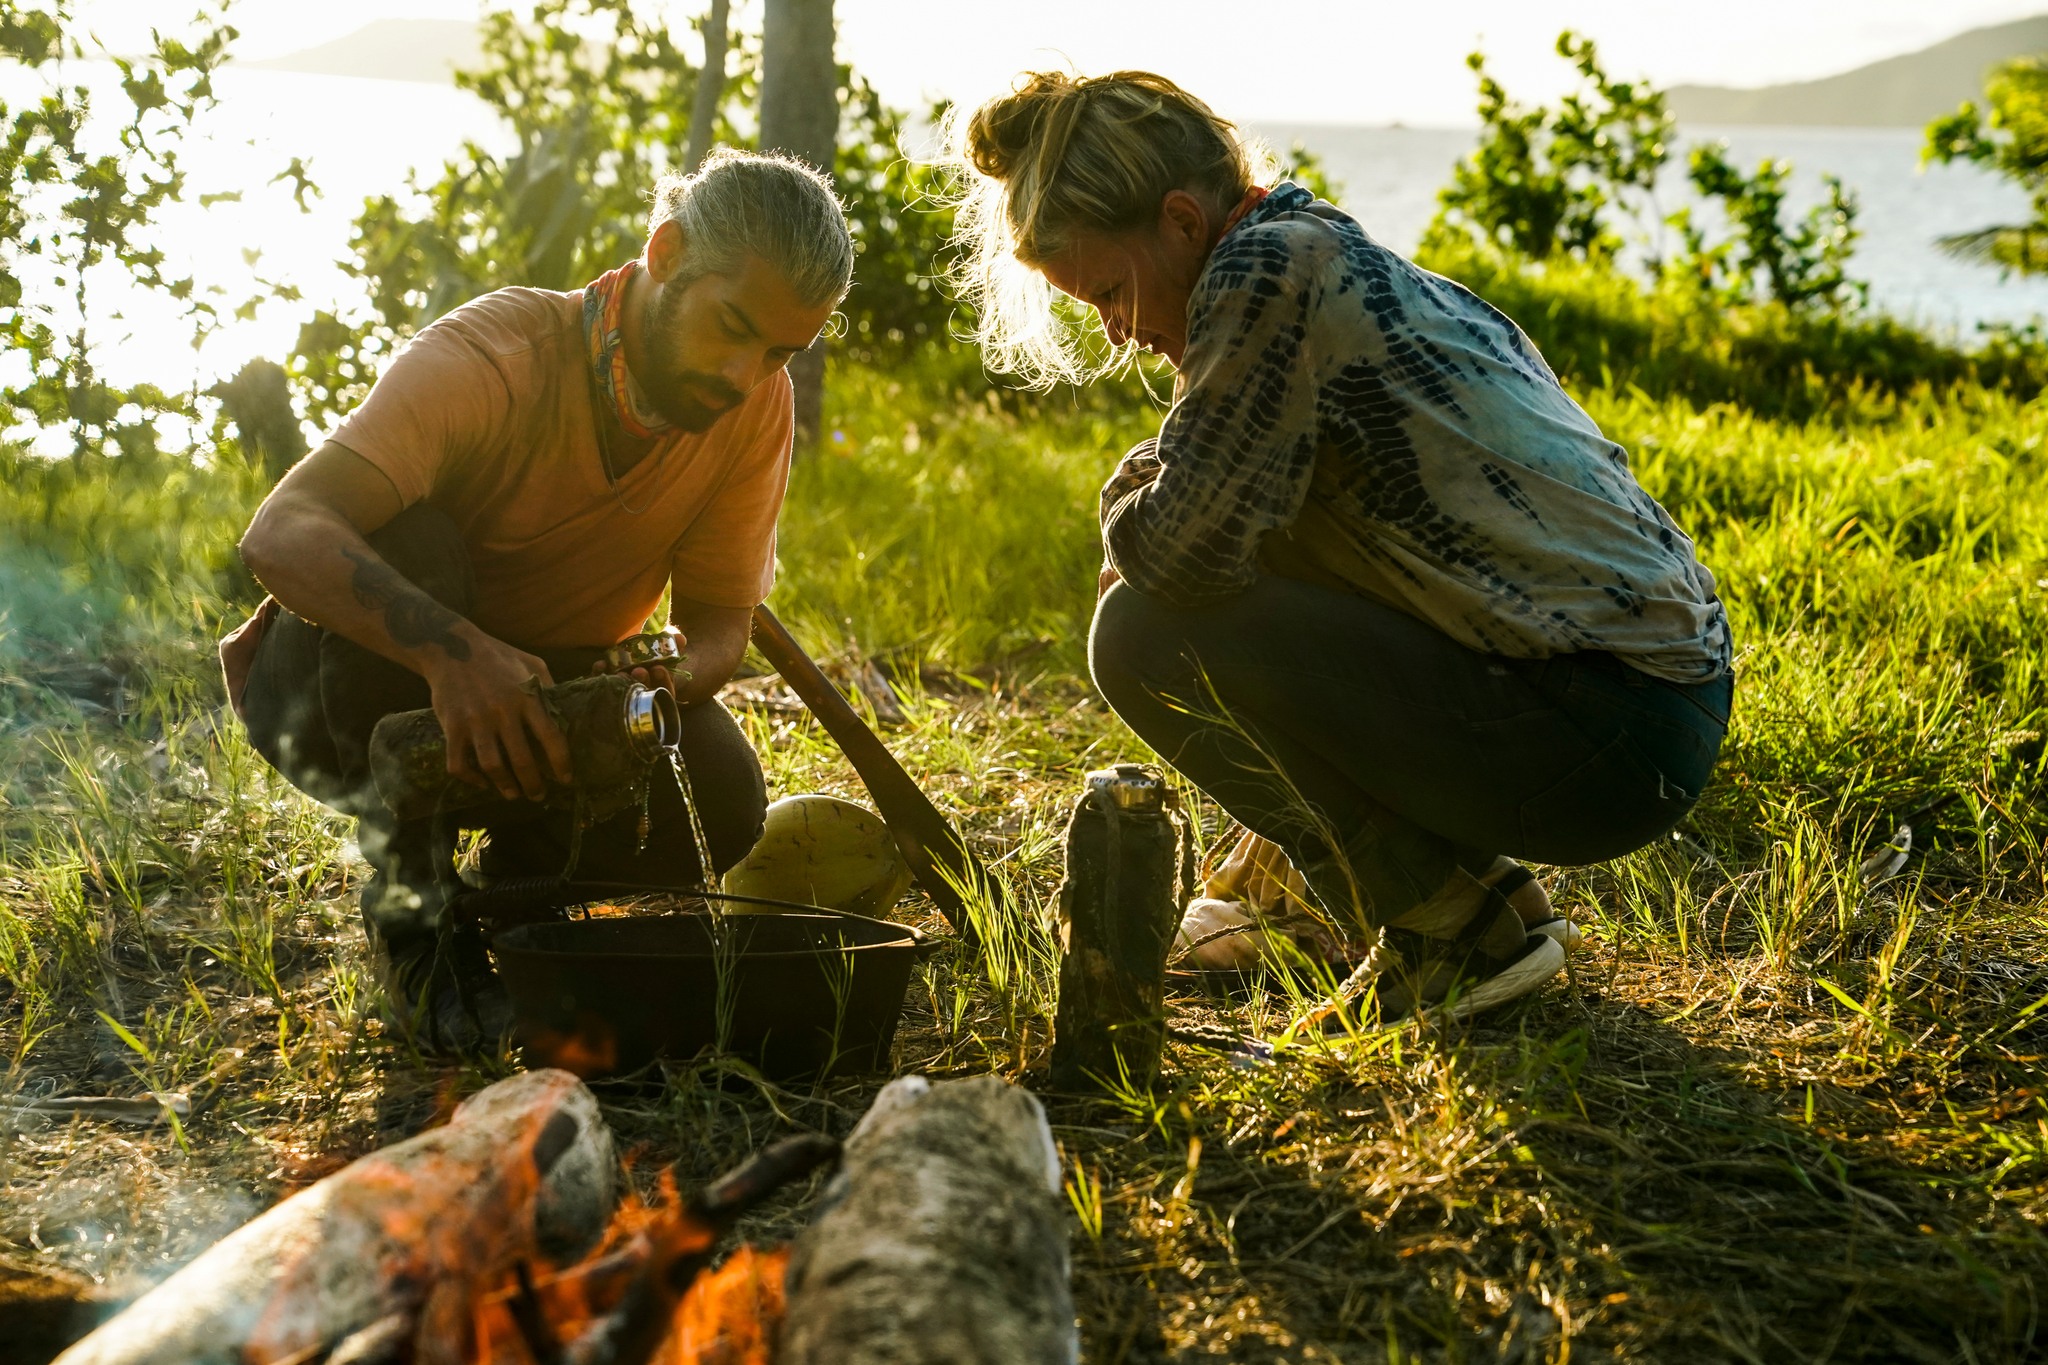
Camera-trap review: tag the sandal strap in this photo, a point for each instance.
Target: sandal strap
(1466, 949)
(1514, 879)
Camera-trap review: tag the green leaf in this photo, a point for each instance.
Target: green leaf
(1836, 991)
(120, 1031)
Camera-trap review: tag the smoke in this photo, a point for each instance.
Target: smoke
(114, 1210)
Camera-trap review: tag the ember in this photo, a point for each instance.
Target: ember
(643, 1297)
(589, 1050)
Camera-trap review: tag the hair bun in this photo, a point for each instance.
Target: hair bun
(1055, 156)
(1006, 131)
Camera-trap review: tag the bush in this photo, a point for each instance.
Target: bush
(2011, 139)
(1600, 328)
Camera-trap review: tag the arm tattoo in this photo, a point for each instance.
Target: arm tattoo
(412, 617)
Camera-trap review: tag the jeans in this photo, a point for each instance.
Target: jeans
(1386, 759)
(313, 698)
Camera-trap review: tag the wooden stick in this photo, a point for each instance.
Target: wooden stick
(939, 858)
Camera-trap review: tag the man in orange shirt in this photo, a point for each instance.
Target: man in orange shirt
(516, 493)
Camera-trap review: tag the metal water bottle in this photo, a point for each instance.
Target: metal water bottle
(616, 730)
(1119, 906)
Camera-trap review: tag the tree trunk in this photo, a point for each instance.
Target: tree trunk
(388, 1250)
(943, 1238)
(800, 115)
(710, 87)
(258, 401)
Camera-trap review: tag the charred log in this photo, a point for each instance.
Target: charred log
(943, 1238)
(380, 1261)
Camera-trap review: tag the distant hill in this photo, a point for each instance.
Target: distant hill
(390, 49)
(1904, 91)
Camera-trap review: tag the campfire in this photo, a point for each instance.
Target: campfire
(648, 1293)
(498, 1240)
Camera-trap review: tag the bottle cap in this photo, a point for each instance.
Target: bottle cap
(663, 647)
(653, 723)
(1129, 786)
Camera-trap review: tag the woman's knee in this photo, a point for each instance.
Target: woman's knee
(1134, 644)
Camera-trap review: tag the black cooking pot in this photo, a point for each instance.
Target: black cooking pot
(796, 990)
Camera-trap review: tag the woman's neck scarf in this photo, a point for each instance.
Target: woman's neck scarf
(604, 299)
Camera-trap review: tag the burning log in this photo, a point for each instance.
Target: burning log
(383, 1260)
(647, 1300)
(942, 1239)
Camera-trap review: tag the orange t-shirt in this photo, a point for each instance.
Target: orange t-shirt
(488, 415)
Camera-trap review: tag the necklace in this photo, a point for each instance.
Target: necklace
(612, 476)
(608, 424)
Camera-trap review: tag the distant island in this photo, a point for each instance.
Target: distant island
(429, 50)
(1898, 92)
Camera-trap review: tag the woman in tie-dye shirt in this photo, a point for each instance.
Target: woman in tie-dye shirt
(1379, 586)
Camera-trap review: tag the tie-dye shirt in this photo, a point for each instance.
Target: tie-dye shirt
(1344, 415)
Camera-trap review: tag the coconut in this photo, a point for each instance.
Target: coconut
(820, 850)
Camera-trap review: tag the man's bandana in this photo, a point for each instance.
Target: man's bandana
(603, 300)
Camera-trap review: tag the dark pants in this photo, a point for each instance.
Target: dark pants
(313, 697)
(1389, 761)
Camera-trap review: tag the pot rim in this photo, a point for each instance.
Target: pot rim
(583, 893)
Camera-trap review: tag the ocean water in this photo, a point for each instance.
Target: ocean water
(362, 137)
(1390, 177)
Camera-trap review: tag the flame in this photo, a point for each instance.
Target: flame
(438, 1218)
(727, 1316)
(590, 1050)
(447, 1237)
(731, 1315)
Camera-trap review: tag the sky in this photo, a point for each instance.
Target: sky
(1346, 61)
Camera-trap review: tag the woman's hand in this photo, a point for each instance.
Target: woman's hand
(499, 734)
(1108, 579)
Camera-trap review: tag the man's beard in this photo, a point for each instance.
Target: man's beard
(668, 390)
(669, 394)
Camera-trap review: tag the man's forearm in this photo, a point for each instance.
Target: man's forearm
(306, 545)
(717, 642)
(409, 615)
(331, 576)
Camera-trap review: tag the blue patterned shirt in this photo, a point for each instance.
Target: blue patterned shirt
(1344, 415)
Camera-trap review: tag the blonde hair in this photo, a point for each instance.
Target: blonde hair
(1060, 153)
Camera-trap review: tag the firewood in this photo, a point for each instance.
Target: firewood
(942, 1239)
(144, 1112)
(380, 1260)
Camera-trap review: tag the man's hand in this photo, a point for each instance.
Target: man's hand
(499, 734)
(307, 547)
(660, 675)
(672, 676)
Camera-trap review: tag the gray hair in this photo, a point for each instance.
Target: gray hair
(765, 204)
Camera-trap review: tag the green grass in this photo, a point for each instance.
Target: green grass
(1774, 1113)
